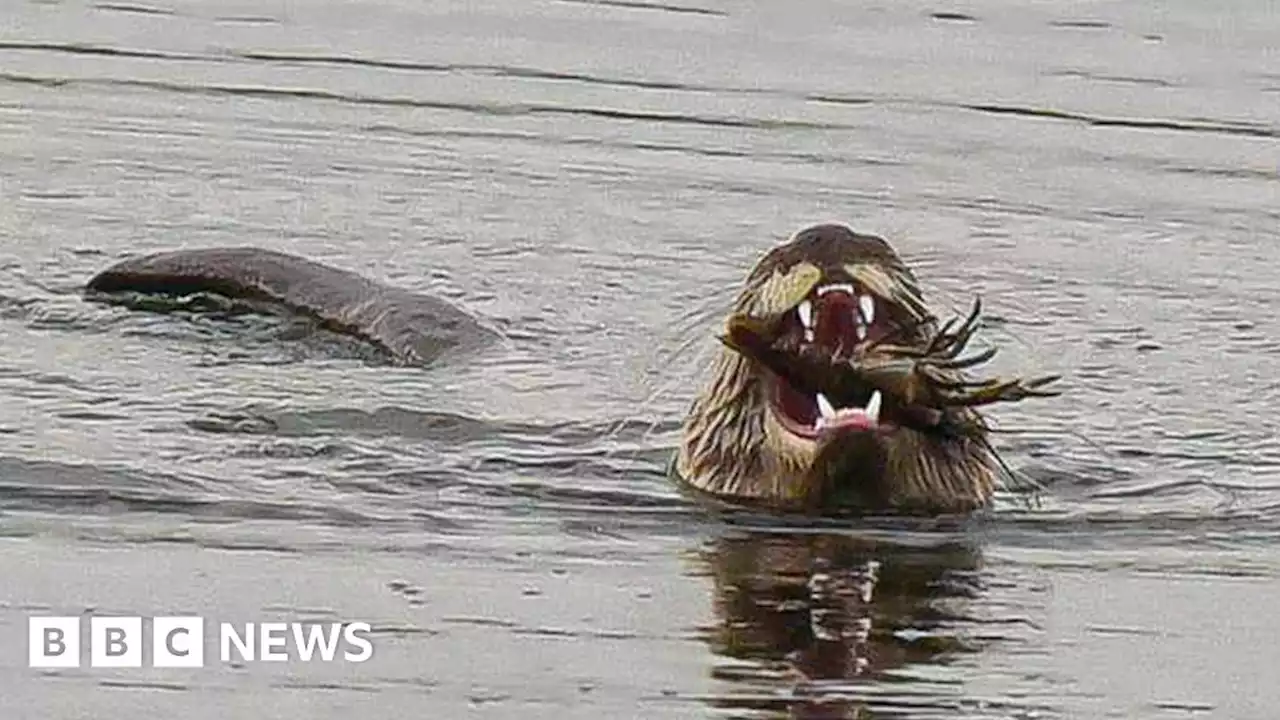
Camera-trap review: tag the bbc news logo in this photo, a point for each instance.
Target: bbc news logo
(178, 642)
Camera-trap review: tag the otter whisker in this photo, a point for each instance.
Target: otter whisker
(1009, 473)
(688, 335)
(1090, 442)
(714, 302)
(682, 348)
(692, 324)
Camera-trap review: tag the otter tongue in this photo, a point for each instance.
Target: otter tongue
(830, 418)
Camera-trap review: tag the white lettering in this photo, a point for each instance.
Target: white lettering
(307, 647)
(273, 642)
(366, 647)
(244, 644)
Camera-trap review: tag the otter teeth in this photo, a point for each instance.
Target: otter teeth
(825, 408)
(827, 411)
(867, 305)
(805, 311)
(873, 407)
(865, 316)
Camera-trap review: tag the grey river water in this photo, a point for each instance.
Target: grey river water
(592, 178)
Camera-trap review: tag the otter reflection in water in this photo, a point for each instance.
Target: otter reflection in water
(812, 621)
(837, 390)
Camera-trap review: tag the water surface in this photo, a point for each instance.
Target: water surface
(592, 178)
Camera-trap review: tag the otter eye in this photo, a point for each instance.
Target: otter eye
(785, 289)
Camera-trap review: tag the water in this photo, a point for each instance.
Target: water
(592, 178)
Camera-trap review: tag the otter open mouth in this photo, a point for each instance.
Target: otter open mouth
(834, 322)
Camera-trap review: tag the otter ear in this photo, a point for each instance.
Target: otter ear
(782, 290)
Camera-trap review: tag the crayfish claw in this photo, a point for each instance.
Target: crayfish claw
(968, 362)
(1006, 391)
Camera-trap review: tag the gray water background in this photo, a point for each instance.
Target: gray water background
(593, 178)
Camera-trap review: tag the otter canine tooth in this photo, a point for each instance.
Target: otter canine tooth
(873, 407)
(868, 307)
(805, 311)
(861, 330)
(824, 407)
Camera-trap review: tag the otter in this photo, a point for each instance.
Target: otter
(837, 391)
(414, 329)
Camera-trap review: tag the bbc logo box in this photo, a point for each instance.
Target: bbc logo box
(54, 642)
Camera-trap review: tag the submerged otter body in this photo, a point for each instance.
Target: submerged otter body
(837, 391)
(413, 328)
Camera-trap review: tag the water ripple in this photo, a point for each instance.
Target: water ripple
(1192, 126)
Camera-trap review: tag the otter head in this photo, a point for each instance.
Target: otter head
(763, 431)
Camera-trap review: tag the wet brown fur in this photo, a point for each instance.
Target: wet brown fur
(734, 449)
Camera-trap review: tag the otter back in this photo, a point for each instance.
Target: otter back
(414, 328)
